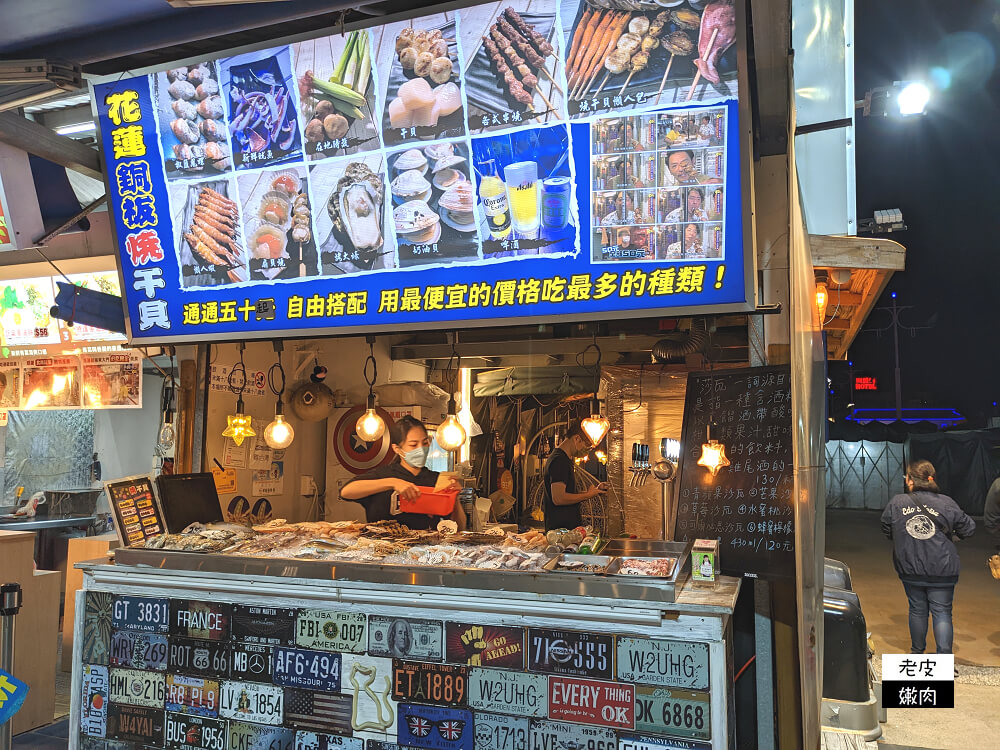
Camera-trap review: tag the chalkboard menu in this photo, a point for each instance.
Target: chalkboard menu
(137, 514)
(748, 504)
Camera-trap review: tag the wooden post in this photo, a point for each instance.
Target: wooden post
(187, 398)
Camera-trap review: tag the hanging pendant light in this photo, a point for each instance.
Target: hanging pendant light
(451, 434)
(167, 436)
(713, 453)
(239, 426)
(595, 426)
(370, 426)
(278, 434)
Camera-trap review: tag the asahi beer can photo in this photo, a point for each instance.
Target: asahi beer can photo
(405, 638)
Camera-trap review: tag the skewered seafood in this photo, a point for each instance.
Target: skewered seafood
(719, 23)
(203, 250)
(617, 61)
(678, 43)
(685, 18)
(528, 79)
(639, 25)
(301, 215)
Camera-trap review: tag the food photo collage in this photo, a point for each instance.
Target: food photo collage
(395, 147)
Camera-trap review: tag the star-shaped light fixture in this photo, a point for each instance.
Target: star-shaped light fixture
(713, 453)
(239, 426)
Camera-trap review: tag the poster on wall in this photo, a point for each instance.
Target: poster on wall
(546, 159)
(91, 380)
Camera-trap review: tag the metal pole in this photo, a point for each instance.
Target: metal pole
(10, 604)
(895, 341)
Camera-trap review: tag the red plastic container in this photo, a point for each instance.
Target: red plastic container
(430, 502)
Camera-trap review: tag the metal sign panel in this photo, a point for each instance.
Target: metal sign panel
(248, 701)
(610, 704)
(138, 650)
(498, 732)
(243, 736)
(141, 613)
(192, 695)
(484, 645)
(268, 626)
(405, 638)
(315, 670)
(368, 682)
(331, 630)
(139, 724)
(678, 664)
(197, 657)
(554, 735)
(194, 619)
(138, 688)
(435, 728)
(186, 732)
(251, 662)
(320, 741)
(683, 713)
(570, 652)
(518, 693)
(423, 682)
(94, 700)
(319, 712)
(639, 742)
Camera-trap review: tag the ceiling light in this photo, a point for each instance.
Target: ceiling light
(713, 453)
(913, 98)
(822, 299)
(80, 127)
(451, 435)
(239, 426)
(370, 427)
(278, 434)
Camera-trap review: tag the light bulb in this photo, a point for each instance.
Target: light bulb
(239, 427)
(713, 456)
(450, 434)
(370, 426)
(167, 436)
(596, 427)
(822, 299)
(279, 434)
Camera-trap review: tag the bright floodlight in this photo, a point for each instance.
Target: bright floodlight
(913, 98)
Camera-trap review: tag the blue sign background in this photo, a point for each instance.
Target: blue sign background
(12, 695)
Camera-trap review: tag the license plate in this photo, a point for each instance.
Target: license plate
(403, 638)
(570, 652)
(660, 743)
(554, 735)
(94, 700)
(268, 626)
(435, 728)
(315, 670)
(97, 627)
(382, 745)
(141, 613)
(685, 713)
(207, 620)
(194, 656)
(496, 732)
(610, 704)
(320, 741)
(255, 737)
(516, 693)
(247, 701)
(186, 732)
(192, 695)
(138, 688)
(138, 650)
(136, 724)
(325, 630)
(318, 712)
(441, 684)
(368, 682)
(484, 645)
(668, 663)
(252, 663)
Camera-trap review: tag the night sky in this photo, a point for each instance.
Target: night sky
(943, 171)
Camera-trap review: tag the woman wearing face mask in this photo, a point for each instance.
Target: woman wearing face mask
(405, 475)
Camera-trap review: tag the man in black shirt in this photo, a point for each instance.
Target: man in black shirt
(562, 501)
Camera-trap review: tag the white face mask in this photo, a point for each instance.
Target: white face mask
(417, 458)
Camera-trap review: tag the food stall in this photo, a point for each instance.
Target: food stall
(371, 182)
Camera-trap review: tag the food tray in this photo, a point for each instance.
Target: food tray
(614, 569)
(603, 560)
(432, 503)
(646, 548)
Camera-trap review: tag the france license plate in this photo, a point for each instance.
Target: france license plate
(685, 713)
(186, 732)
(94, 700)
(571, 652)
(252, 663)
(327, 630)
(141, 613)
(368, 682)
(315, 670)
(423, 682)
(318, 712)
(554, 735)
(668, 663)
(138, 688)
(639, 742)
(267, 626)
(484, 645)
(248, 701)
(516, 693)
(198, 657)
(610, 704)
(192, 695)
(193, 619)
(404, 638)
(320, 741)
(255, 737)
(138, 724)
(138, 650)
(497, 732)
(435, 728)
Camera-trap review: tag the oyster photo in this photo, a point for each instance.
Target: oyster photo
(355, 207)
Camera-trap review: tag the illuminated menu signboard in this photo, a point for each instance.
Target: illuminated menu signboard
(512, 161)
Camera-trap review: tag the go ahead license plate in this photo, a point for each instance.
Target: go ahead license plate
(684, 713)
(248, 701)
(315, 670)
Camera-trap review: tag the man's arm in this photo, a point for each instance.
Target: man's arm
(359, 489)
(561, 497)
(887, 520)
(991, 511)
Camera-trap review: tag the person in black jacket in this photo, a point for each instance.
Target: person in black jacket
(921, 524)
(991, 513)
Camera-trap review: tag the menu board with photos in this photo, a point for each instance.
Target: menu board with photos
(516, 160)
(135, 509)
(749, 504)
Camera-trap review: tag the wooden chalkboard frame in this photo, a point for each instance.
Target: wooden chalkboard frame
(110, 488)
(738, 560)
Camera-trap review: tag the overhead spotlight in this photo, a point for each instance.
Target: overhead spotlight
(912, 99)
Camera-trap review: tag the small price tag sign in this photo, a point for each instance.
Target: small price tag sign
(918, 680)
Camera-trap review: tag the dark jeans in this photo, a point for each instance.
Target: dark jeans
(938, 600)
